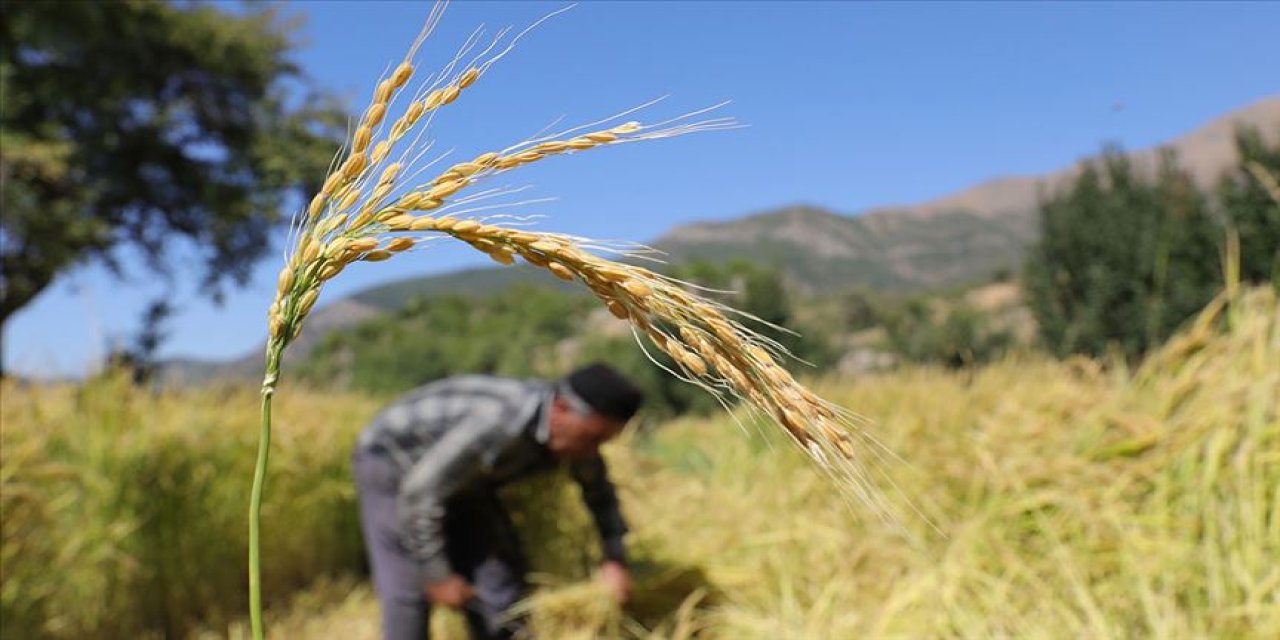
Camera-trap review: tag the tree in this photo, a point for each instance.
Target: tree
(1250, 205)
(131, 124)
(1122, 259)
(761, 292)
(950, 333)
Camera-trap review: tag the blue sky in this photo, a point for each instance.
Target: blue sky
(849, 106)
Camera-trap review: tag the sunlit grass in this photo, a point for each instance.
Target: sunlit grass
(1077, 500)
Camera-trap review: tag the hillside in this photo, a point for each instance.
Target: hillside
(962, 237)
(479, 281)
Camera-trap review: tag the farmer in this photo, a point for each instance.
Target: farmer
(427, 472)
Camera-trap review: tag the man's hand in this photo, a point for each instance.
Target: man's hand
(617, 578)
(453, 591)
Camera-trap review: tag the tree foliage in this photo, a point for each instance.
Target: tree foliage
(955, 335)
(1123, 259)
(514, 332)
(135, 123)
(1248, 195)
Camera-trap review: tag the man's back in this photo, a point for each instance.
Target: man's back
(480, 413)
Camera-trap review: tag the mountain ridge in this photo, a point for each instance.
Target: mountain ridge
(962, 236)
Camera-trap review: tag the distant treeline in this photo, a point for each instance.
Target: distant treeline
(1124, 258)
(532, 330)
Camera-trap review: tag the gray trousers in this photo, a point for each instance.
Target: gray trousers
(479, 542)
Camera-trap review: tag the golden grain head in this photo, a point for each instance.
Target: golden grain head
(551, 146)
(377, 256)
(465, 226)
(330, 185)
(379, 192)
(285, 279)
(693, 363)
(354, 165)
(328, 271)
(414, 112)
(387, 213)
(502, 256)
(381, 151)
(469, 77)
(433, 99)
(427, 203)
(374, 114)
(336, 247)
(401, 75)
(349, 199)
(400, 222)
(560, 271)
(759, 354)
(275, 325)
(442, 191)
(617, 309)
(317, 205)
(612, 274)
(330, 224)
(397, 245)
(307, 301)
(532, 257)
(464, 169)
(362, 219)
(545, 246)
(526, 157)
(637, 288)
(383, 92)
(422, 223)
(360, 245)
(309, 250)
(389, 174)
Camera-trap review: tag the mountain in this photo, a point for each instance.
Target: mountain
(335, 316)
(961, 237)
(393, 295)
(820, 250)
(957, 238)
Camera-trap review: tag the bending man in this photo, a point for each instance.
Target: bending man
(427, 471)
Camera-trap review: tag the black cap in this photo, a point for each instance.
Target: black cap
(606, 391)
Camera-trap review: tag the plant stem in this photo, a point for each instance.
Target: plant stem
(255, 509)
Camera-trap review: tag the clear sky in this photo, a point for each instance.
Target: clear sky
(849, 106)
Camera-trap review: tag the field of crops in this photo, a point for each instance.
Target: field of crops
(1047, 499)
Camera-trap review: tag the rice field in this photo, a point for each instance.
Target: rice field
(1048, 499)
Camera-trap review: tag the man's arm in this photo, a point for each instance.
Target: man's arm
(448, 465)
(602, 500)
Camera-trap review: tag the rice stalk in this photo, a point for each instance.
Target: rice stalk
(370, 210)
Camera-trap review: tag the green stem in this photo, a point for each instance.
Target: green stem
(255, 509)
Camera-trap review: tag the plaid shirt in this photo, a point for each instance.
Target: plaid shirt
(472, 433)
